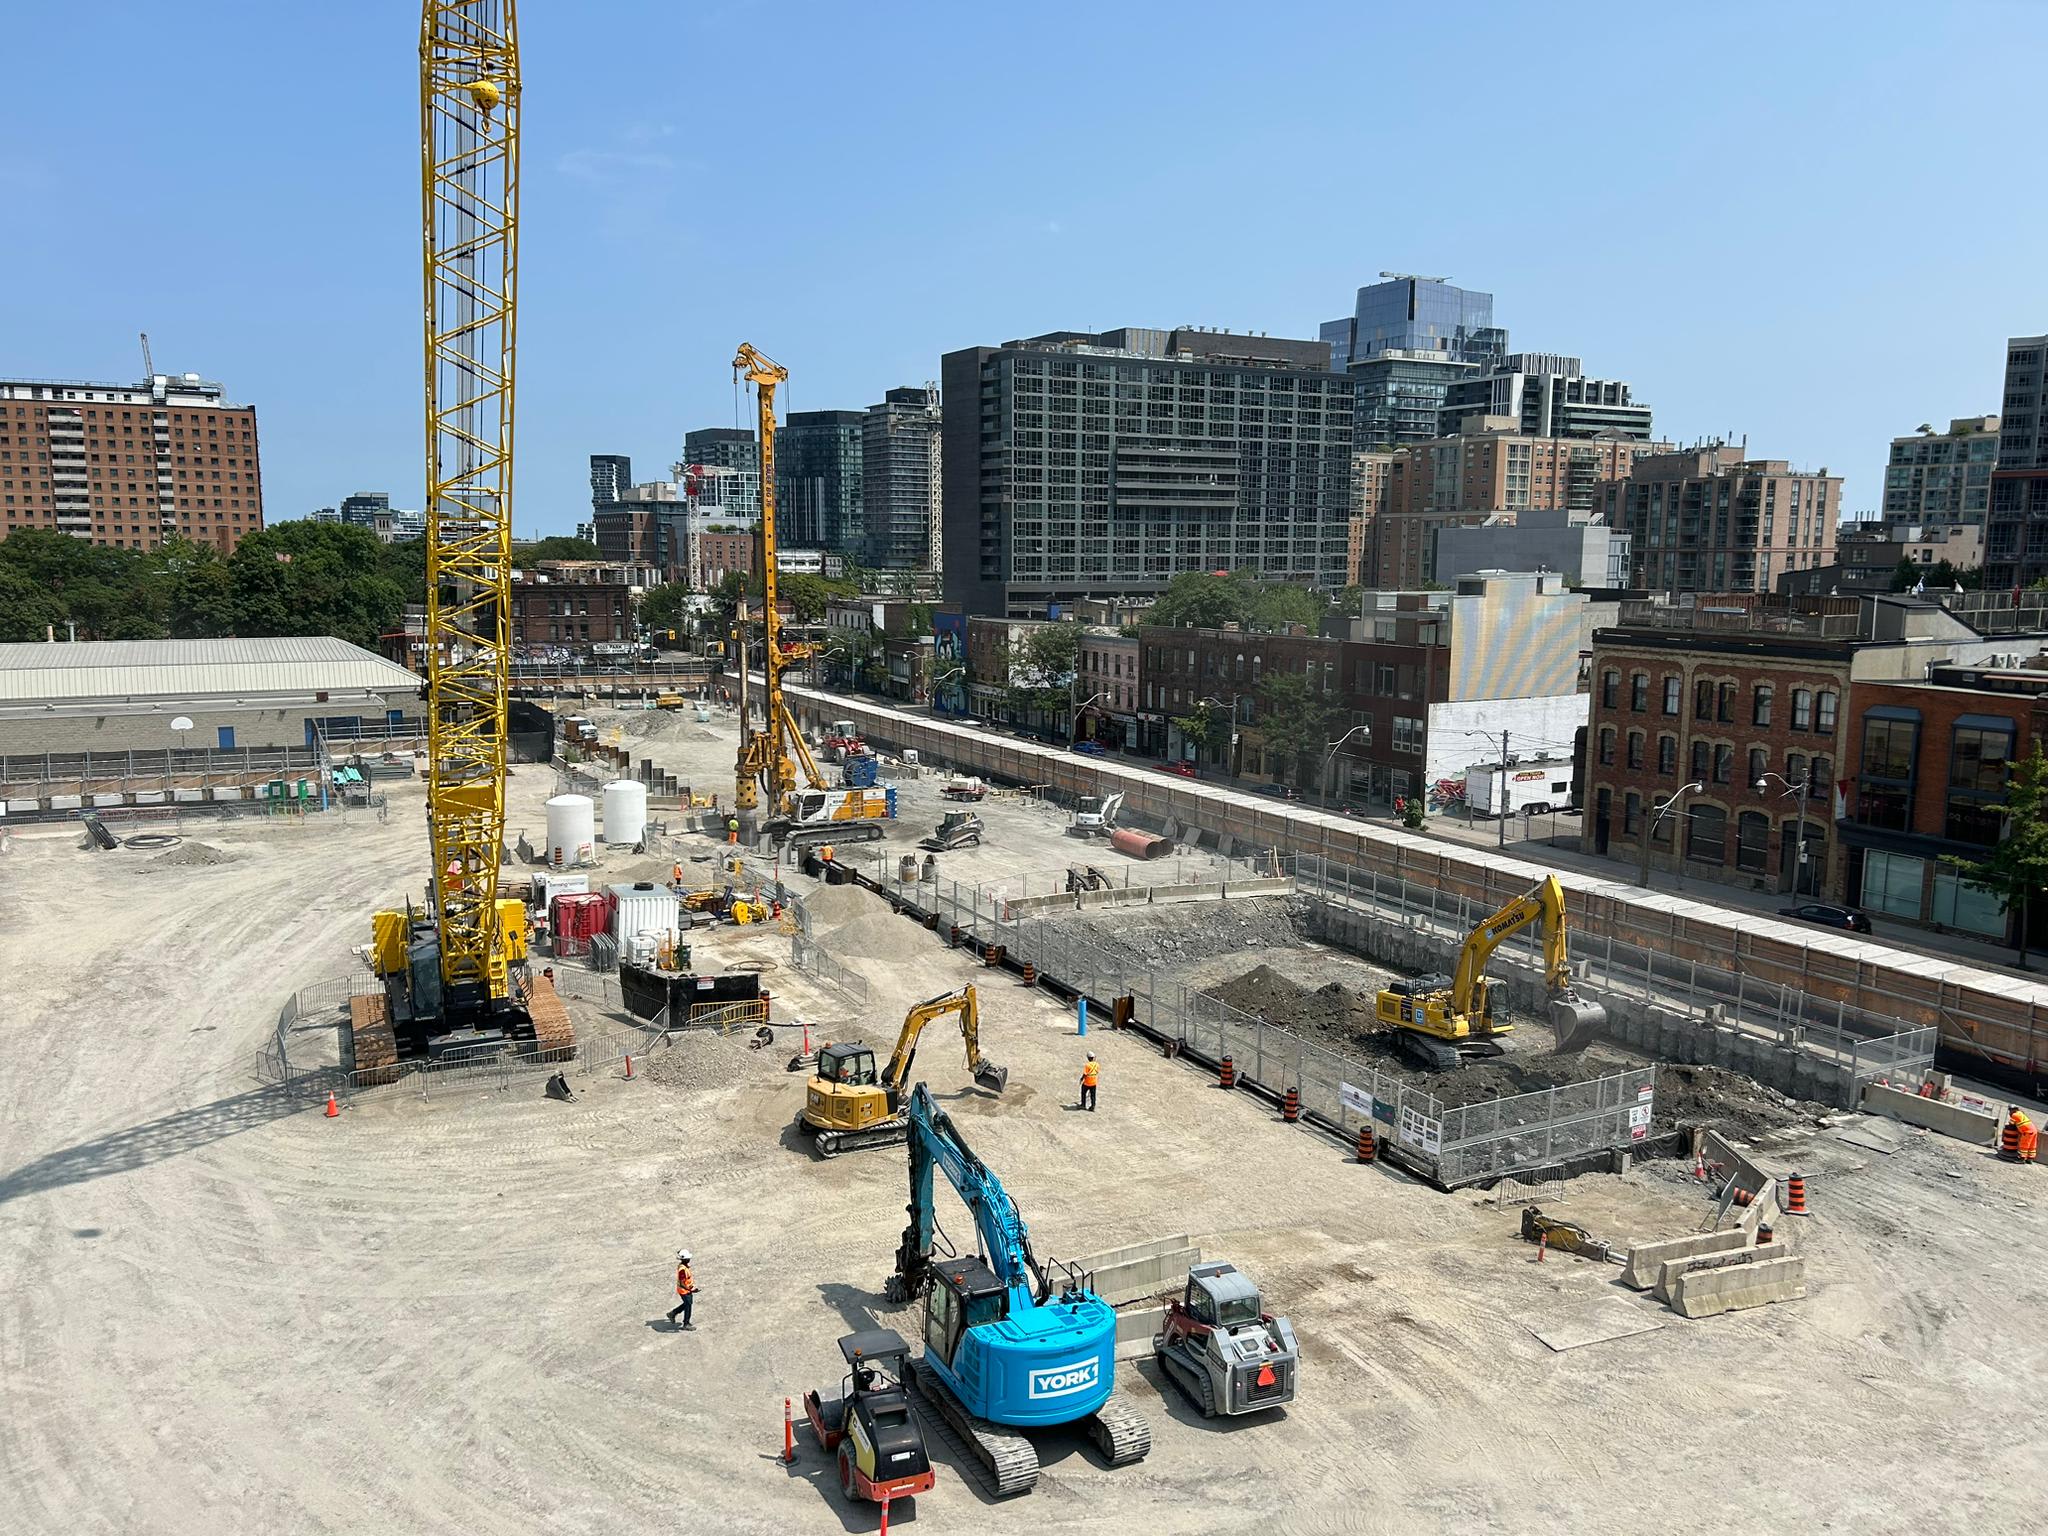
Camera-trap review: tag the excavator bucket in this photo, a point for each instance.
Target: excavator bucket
(1576, 1022)
(992, 1077)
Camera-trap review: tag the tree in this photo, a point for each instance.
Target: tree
(807, 596)
(663, 607)
(304, 578)
(1199, 728)
(1040, 668)
(199, 598)
(1201, 599)
(1940, 576)
(1275, 606)
(1294, 719)
(27, 611)
(555, 547)
(2016, 869)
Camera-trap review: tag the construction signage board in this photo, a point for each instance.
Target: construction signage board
(1420, 1132)
(1357, 1100)
(1639, 1119)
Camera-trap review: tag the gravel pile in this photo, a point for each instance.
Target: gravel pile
(1728, 1102)
(1148, 938)
(834, 906)
(703, 1060)
(879, 936)
(191, 856)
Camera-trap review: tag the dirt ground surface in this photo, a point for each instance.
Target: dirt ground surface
(222, 1312)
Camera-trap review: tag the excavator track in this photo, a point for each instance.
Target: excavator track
(1194, 1384)
(373, 1045)
(554, 1037)
(892, 1132)
(1010, 1460)
(1120, 1432)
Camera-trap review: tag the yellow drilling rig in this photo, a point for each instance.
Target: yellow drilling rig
(454, 972)
(765, 790)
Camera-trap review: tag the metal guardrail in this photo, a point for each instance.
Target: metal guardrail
(812, 959)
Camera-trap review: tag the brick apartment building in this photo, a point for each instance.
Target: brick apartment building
(1182, 668)
(1491, 469)
(129, 465)
(716, 554)
(1106, 686)
(1925, 766)
(551, 608)
(1714, 520)
(1721, 695)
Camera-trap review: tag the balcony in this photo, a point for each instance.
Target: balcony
(1736, 618)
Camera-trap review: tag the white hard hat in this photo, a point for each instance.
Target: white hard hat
(683, 1256)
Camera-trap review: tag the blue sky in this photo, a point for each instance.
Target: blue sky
(1814, 224)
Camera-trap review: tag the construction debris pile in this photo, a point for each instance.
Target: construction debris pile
(192, 856)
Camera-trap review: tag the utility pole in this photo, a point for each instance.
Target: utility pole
(1504, 797)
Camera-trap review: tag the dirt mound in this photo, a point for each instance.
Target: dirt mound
(1148, 938)
(192, 856)
(833, 906)
(879, 936)
(1728, 1102)
(1333, 1010)
(700, 1060)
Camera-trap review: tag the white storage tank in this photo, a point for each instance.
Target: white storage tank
(572, 830)
(625, 811)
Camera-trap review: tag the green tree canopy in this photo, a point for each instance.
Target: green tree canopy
(1940, 576)
(306, 578)
(555, 547)
(1207, 600)
(663, 607)
(1293, 721)
(1040, 667)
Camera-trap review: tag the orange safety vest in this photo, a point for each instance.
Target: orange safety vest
(685, 1282)
(1089, 1075)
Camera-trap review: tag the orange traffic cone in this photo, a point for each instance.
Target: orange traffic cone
(629, 1064)
(333, 1109)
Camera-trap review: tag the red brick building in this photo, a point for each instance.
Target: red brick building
(1925, 765)
(129, 465)
(548, 610)
(1720, 695)
(1180, 669)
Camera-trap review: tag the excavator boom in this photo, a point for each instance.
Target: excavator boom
(964, 1003)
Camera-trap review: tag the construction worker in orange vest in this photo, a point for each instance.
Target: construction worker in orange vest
(732, 830)
(686, 1292)
(1091, 1075)
(2023, 1134)
(675, 876)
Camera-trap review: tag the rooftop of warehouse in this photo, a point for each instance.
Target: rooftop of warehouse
(37, 673)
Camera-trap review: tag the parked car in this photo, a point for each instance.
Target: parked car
(1181, 768)
(1089, 748)
(1828, 917)
(1277, 791)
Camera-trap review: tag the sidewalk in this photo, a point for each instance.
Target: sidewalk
(1562, 851)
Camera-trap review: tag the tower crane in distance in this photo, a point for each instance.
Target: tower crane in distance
(770, 755)
(455, 973)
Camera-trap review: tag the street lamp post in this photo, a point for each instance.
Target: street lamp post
(1801, 882)
(1074, 712)
(1230, 758)
(931, 685)
(1323, 773)
(1652, 821)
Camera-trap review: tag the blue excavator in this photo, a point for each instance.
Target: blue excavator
(1010, 1343)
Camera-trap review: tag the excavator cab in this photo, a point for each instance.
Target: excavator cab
(850, 1104)
(849, 1064)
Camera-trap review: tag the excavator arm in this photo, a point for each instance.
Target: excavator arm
(1574, 1020)
(966, 1006)
(936, 1147)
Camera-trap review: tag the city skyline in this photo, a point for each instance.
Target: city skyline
(1773, 326)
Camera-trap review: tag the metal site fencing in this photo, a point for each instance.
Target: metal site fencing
(305, 1055)
(1339, 1092)
(1826, 1048)
(814, 961)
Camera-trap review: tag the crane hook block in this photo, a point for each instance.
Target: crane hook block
(486, 95)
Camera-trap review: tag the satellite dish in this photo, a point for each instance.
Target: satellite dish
(182, 723)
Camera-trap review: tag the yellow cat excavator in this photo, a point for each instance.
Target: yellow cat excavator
(1447, 1019)
(849, 1106)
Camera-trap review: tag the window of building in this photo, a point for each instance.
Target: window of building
(1639, 692)
(1960, 905)
(1703, 700)
(1802, 709)
(1706, 834)
(1824, 717)
(1631, 814)
(1724, 703)
(1795, 769)
(1724, 763)
(1752, 841)
(1673, 686)
(1610, 689)
(1884, 783)
(1635, 749)
(1980, 758)
(1702, 760)
(1667, 755)
(1759, 764)
(1607, 746)
(1892, 883)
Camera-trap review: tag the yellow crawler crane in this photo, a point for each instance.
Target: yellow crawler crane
(456, 974)
(1446, 1019)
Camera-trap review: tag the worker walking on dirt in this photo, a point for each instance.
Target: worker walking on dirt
(675, 877)
(1091, 1076)
(686, 1291)
(732, 830)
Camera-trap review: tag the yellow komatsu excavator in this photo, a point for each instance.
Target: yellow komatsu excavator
(848, 1105)
(1446, 1019)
